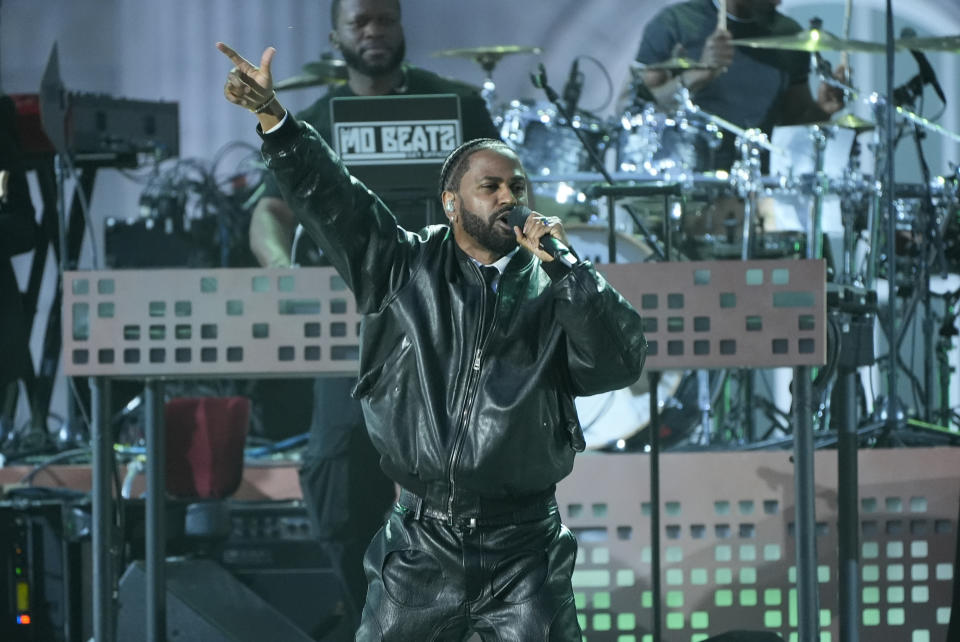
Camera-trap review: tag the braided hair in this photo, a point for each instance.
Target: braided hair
(457, 162)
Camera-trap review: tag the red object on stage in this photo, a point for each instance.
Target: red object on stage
(33, 139)
(205, 437)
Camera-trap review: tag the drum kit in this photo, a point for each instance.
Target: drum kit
(804, 192)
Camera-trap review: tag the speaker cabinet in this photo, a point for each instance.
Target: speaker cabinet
(205, 603)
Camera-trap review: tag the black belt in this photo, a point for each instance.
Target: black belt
(483, 511)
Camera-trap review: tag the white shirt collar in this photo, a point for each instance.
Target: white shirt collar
(501, 263)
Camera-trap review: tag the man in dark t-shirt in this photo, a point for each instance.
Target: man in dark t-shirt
(752, 88)
(345, 492)
(411, 212)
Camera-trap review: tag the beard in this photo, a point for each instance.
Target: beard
(486, 234)
(355, 60)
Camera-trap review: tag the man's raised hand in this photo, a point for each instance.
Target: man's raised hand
(249, 86)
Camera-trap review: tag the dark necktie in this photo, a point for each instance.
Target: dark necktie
(490, 274)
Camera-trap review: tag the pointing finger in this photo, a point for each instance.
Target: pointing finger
(237, 59)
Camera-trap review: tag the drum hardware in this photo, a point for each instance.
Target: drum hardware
(746, 178)
(487, 58)
(819, 136)
(855, 198)
(326, 71)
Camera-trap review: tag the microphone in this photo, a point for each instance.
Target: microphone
(552, 246)
(573, 88)
(927, 73)
(539, 80)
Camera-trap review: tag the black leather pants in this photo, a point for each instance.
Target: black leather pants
(431, 580)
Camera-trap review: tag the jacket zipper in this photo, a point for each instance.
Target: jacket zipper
(470, 398)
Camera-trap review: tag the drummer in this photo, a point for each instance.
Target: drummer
(752, 88)
(345, 493)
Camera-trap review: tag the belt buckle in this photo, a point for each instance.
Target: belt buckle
(468, 524)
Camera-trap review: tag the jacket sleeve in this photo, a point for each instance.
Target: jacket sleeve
(352, 226)
(606, 348)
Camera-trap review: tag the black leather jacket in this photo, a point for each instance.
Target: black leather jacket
(452, 402)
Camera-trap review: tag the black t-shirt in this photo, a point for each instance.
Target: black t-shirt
(476, 118)
(749, 93)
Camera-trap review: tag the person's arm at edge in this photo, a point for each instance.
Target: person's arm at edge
(272, 227)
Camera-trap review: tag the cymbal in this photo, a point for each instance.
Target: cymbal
(810, 40)
(674, 64)
(497, 51)
(950, 44)
(300, 82)
(849, 121)
(320, 72)
(854, 122)
(332, 68)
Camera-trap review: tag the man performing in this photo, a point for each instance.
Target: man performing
(345, 493)
(474, 343)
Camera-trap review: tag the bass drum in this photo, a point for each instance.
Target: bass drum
(617, 421)
(614, 420)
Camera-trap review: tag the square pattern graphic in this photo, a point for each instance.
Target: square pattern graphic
(181, 323)
(722, 314)
(727, 553)
(253, 321)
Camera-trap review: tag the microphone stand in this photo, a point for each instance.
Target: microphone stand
(540, 81)
(888, 206)
(932, 240)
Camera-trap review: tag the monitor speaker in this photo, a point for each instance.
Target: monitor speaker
(204, 603)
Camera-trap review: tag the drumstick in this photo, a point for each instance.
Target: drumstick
(722, 15)
(847, 17)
